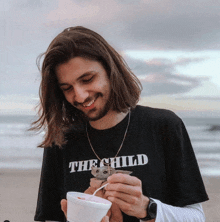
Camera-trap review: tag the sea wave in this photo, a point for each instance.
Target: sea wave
(214, 128)
(14, 129)
(210, 172)
(20, 142)
(209, 156)
(206, 145)
(21, 164)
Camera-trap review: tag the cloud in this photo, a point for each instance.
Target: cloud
(159, 76)
(167, 87)
(191, 107)
(93, 14)
(206, 91)
(187, 61)
(173, 25)
(143, 24)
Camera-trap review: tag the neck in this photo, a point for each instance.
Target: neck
(111, 119)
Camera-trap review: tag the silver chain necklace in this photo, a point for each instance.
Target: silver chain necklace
(108, 164)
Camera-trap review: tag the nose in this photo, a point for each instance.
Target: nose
(80, 94)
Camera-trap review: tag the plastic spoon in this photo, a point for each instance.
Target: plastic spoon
(97, 191)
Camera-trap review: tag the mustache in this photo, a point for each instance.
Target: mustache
(88, 99)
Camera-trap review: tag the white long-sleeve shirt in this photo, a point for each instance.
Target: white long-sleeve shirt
(189, 213)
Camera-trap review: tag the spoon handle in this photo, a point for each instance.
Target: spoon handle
(100, 189)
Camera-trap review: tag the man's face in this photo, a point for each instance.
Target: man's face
(86, 86)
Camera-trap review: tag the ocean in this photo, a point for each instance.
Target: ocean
(18, 147)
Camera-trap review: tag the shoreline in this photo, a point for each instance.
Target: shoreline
(19, 189)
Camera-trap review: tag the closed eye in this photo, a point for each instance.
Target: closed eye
(87, 80)
(66, 89)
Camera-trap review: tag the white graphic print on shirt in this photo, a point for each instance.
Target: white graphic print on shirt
(120, 161)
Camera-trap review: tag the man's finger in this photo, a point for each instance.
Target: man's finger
(105, 219)
(127, 198)
(124, 188)
(63, 204)
(124, 178)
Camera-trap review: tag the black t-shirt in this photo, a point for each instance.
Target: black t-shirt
(157, 149)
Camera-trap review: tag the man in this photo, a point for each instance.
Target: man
(89, 110)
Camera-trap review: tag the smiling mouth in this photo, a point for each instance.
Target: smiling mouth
(89, 104)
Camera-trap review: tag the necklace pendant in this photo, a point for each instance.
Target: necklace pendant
(110, 170)
(102, 173)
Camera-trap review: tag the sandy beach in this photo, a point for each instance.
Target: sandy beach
(19, 188)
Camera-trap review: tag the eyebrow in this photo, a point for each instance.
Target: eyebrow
(80, 77)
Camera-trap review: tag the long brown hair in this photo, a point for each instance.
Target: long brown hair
(56, 114)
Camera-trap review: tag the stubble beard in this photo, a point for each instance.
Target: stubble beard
(101, 113)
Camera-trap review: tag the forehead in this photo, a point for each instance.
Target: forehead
(77, 67)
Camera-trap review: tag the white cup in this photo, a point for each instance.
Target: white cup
(84, 210)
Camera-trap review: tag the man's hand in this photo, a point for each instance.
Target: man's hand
(63, 204)
(126, 192)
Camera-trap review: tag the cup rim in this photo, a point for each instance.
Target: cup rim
(94, 204)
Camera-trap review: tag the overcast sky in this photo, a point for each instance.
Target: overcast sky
(173, 46)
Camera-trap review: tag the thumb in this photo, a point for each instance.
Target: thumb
(63, 204)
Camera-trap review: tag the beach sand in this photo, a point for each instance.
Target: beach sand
(19, 188)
